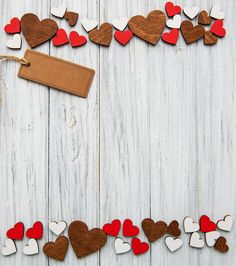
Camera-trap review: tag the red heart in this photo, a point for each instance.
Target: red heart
(129, 229)
(13, 27)
(171, 37)
(206, 225)
(76, 39)
(172, 10)
(61, 38)
(123, 37)
(16, 233)
(217, 28)
(112, 229)
(36, 231)
(139, 247)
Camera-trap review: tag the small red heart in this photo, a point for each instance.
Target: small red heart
(129, 229)
(112, 229)
(206, 225)
(139, 247)
(123, 37)
(17, 232)
(76, 39)
(13, 27)
(218, 29)
(172, 10)
(36, 231)
(61, 38)
(171, 37)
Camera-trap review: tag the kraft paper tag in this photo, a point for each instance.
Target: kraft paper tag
(57, 73)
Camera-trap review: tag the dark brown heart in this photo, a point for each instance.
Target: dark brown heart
(148, 29)
(83, 241)
(221, 245)
(191, 33)
(103, 35)
(37, 32)
(204, 18)
(152, 230)
(173, 229)
(71, 18)
(210, 38)
(58, 249)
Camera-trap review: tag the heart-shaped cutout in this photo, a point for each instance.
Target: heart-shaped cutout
(206, 225)
(172, 10)
(17, 232)
(191, 12)
(211, 238)
(89, 24)
(204, 18)
(139, 247)
(191, 33)
(9, 248)
(221, 245)
(173, 229)
(226, 224)
(71, 17)
(152, 230)
(210, 38)
(102, 36)
(123, 37)
(121, 247)
(59, 11)
(61, 38)
(77, 40)
(13, 26)
(57, 227)
(174, 23)
(190, 226)
(171, 37)
(196, 241)
(216, 12)
(130, 230)
(36, 231)
(31, 248)
(173, 244)
(113, 228)
(15, 42)
(57, 250)
(120, 23)
(218, 29)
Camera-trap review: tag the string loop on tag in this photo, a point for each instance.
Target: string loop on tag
(19, 60)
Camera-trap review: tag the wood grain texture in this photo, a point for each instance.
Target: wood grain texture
(156, 137)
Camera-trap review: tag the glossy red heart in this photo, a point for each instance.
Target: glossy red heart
(171, 37)
(123, 37)
(76, 39)
(218, 29)
(13, 26)
(129, 229)
(17, 232)
(139, 247)
(61, 38)
(172, 10)
(113, 228)
(206, 225)
(36, 231)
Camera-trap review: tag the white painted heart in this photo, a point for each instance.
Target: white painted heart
(191, 12)
(226, 224)
(211, 238)
(120, 24)
(89, 24)
(31, 248)
(15, 42)
(174, 23)
(173, 244)
(216, 12)
(196, 241)
(9, 248)
(190, 226)
(121, 247)
(57, 227)
(59, 11)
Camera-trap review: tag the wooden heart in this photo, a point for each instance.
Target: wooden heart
(84, 241)
(102, 36)
(37, 32)
(71, 17)
(191, 33)
(152, 230)
(210, 38)
(221, 245)
(173, 229)
(58, 249)
(149, 29)
(204, 18)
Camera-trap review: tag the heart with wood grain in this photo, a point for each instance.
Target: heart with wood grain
(191, 33)
(204, 18)
(102, 36)
(85, 241)
(152, 230)
(148, 29)
(37, 32)
(173, 229)
(58, 249)
(221, 245)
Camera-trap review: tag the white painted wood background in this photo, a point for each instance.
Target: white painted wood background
(155, 138)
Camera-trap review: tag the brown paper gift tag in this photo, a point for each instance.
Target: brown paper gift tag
(57, 73)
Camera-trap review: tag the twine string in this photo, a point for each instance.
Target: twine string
(19, 60)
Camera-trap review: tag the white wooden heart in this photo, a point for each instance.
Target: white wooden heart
(31, 248)
(15, 42)
(9, 248)
(174, 23)
(89, 24)
(190, 226)
(173, 244)
(211, 238)
(216, 12)
(191, 12)
(196, 241)
(57, 227)
(121, 247)
(59, 11)
(226, 224)
(120, 23)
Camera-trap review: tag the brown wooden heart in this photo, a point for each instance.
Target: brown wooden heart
(221, 245)
(210, 38)
(191, 33)
(101, 36)
(37, 32)
(173, 229)
(148, 29)
(84, 241)
(58, 249)
(204, 18)
(71, 17)
(152, 230)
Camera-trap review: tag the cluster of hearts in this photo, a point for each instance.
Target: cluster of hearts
(85, 242)
(150, 29)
